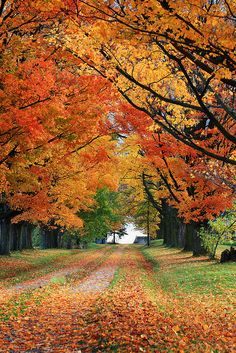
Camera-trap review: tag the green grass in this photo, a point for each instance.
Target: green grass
(229, 243)
(58, 280)
(178, 272)
(39, 257)
(211, 279)
(119, 275)
(94, 246)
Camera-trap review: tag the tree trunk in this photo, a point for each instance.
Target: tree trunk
(4, 237)
(69, 242)
(170, 227)
(188, 246)
(181, 234)
(177, 234)
(49, 238)
(160, 231)
(60, 240)
(26, 235)
(193, 241)
(198, 248)
(13, 233)
(165, 224)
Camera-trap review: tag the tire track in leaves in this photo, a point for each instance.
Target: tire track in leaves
(123, 318)
(58, 323)
(77, 267)
(99, 280)
(15, 300)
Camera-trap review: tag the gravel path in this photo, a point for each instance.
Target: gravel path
(97, 281)
(100, 279)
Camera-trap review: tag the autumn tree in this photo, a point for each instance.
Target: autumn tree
(63, 67)
(55, 137)
(175, 63)
(176, 183)
(173, 60)
(137, 207)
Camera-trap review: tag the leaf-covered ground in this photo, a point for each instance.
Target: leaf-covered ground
(29, 264)
(131, 301)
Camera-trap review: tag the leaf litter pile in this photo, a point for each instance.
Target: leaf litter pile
(119, 307)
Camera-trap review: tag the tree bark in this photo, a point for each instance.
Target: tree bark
(4, 237)
(181, 234)
(193, 241)
(188, 246)
(49, 238)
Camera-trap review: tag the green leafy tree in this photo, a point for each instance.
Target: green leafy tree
(219, 230)
(104, 217)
